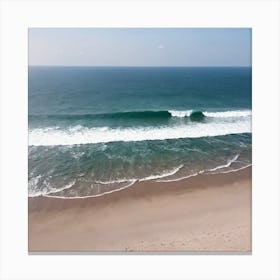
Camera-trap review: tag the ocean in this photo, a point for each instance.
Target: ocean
(95, 130)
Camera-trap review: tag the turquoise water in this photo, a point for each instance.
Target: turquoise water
(96, 130)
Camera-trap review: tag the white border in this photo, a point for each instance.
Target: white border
(262, 16)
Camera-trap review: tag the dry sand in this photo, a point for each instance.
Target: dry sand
(206, 213)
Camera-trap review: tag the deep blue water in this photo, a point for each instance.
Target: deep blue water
(92, 130)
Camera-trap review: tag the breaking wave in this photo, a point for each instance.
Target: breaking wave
(51, 136)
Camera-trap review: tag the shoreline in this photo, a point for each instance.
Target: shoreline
(204, 213)
(137, 181)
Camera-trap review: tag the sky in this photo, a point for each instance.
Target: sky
(140, 46)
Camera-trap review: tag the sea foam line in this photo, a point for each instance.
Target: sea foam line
(230, 171)
(229, 114)
(151, 177)
(109, 192)
(83, 135)
(181, 178)
(222, 114)
(131, 182)
(96, 195)
(225, 165)
(201, 171)
(165, 173)
(53, 190)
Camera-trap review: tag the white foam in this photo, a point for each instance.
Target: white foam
(89, 196)
(129, 181)
(133, 182)
(165, 173)
(49, 189)
(222, 114)
(180, 114)
(225, 165)
(32, 183)
(180, 178)
(229, 114)
(118, 181)
(203, 171)
(230, 171)
(83, 135)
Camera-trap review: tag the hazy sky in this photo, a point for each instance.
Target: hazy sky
(140, 46)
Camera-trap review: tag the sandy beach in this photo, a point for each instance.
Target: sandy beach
(205, 213)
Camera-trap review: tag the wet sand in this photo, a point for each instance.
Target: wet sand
(205, 213)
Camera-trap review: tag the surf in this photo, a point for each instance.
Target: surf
(77, 135)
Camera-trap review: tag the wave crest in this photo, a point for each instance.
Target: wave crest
(163, 114)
